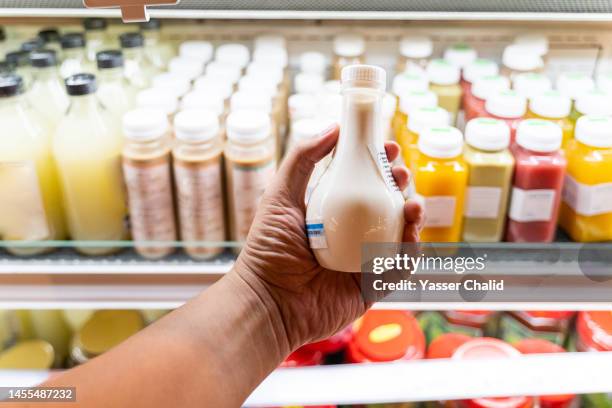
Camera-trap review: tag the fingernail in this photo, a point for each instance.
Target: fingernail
(328, 129)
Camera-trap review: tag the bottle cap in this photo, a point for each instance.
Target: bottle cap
(157, 98)
(416, 46)
(109, 59)
(539, 135)
(442, 72)
(349, 45)
(313, 63)
(10, 85)
(538, 43)
(604, 81)
(94, 23)
(18, 58)
(363, 76)
(573, 84)
(248, 126)
(441, 142)
(551, 104)
(72, 40)
(308, 128)
(196, 125)
(594, 130)
(131, 40)
(256, 84)
(272, 56)
(246, 100)
(302, 106)
(417, 99)
(188, 68)
(506, 104)
(460, 55)
(171, 80)
(308, 83)
(33, 44)
(424, 117)
(43, 58)
(531, 84)
(210, 84)
(228, 72)
(270, 41)
(480, 68)
(408, 81)
(81, 84)
(332, 86)
(144, 124)
(203, 100)
(519, 57)
(233, 54)
(594, 102)
(484, 86)
(49, 35)
(487, 134)
(389, 103)
(198, 50)
(153, 24)
(266, 72)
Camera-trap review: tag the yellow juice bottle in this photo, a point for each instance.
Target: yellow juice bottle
(421, 118)
(441, 178)
(594, 102)
(586, 208)
(403, 84)
(554, 107)
(407, 103)
(444, 81)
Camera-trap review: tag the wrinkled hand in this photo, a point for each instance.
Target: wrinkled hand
(277, 263)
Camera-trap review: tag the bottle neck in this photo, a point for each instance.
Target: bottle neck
(45, 74)
(362, 121)
(111, 74)
(136, 53)
(74, 53)
(84, 104)
(95, 35)
(151, 37)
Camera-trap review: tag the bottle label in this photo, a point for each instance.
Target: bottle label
(200, 200)
(587, 199)
(22, 211)
(382, 162)
(316, 234)
(439, 210)
(483, 202)
(531, 205)
(149, 190)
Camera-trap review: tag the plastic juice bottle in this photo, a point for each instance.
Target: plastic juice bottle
(574, 84)
(87, 148)
(173, 83)
(531, 84)
(586, 210)
(420, 119)
(224, 72)
(187, 68)
(74, 54)
(482, 88)
(441, 178)
(50, 326)
(30, 197)
(407, 103)
(314, 63)
(460, 55)
(201, 51)
(519, 59)
(537, 43)
(250, 164)
(262, 102)
(349, 49)
(491, 166)
(556, 108)
(507, 106)
(538, 181)
(276, 59)
(138, 70)
(342, 215)
(444, 82)
(477, 69)
(202, 100)
(158, 98)
(414, 52)
(593, 102)
(95, 36)
(198, 175)
(115, 92)
(308, 83)
(402, 85)
(51, 38)
(47, 94)
(28, 355)
(267, 87)
(301, 106)
(158, 52)
(236, 55)
(19, 63)
(554, 326)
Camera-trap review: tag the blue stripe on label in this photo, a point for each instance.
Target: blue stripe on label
(314, 226)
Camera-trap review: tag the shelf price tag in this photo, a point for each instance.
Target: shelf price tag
(131, 10)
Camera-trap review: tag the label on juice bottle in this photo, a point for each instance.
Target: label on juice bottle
(382, 162)
(22, 212)
(483, 202)
(316, 234)
(587, 199)
(531, 205)
(439, 210)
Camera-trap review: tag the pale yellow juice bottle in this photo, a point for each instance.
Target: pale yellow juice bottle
(47, 94)
(87, 147)
(138, 70)
(114, 90)
(554, 107)
(95, 36)
(444, 81)
(158, 52)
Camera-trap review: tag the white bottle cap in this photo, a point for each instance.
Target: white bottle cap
(594, 102)
(604, 81)
(539, 135)
(203, 100)
(233, 54)
(551, 104)
(460, 55)
(389, 103)
(349, 45)
(487, 134)
(196, 125)
(302, 106)
(421, 118)
(441, 142)
(243, 100)
(256, 84)
(273, 56)
(531, 84)
(188, 68)
(442, 72)
(594, 130)
(268, 72)
(417, 99)
(416, 46)
(308, 83)
(519, 57)
(480, 68)
(330, 106)
(157, 98)
(506, 104)
(313, 63)
(308, 128)
(363, 76)
(332, 86)
(227, 72)
(409, 81)
(198, 50)
(485, 86)
(174, 83)
(573, 84)
(216, 86)
(538, 43)
(270, 40)
(248, 126)
(144, 124)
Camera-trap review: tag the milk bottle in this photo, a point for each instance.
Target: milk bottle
(343, 213)
(47, 93)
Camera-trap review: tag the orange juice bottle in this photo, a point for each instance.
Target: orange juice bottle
(407, 103)
(554, 107)
(594, 102)
(586, 209)
(421, 118)
(403, 84)
(441, 178)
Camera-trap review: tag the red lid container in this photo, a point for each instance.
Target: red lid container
(332, 344)
(303, 357)
(594, 331)
(446, 344)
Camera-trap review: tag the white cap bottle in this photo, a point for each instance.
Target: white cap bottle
(531, 84)
(441, 142)
(233, 54)
(538, 43)
(313, 63)
(201, 100)
(302, 106)
(594, 131)
(487, 134)
(158, 98)
(349, 45)
(480, 68)
(174, 83)
(442, 72)
(518, 58)
(506, 104)
(417, 99)
(551, 105)
(485, 86)
(594, 102)
(198, 50)
(460, 55)
(270, 41)
(243, 100)
(408, 81)
(214, 85)
(187, 68)
(424, 117)
(538, 135)
(224, 71)
(414, 50)
(308, 83)
(271, 56)
(573, 84)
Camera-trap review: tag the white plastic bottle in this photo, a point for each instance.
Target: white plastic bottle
(115, 91)
(95, 35)
(74, 55)
(47, 94)
(356, 200)
(138, 70)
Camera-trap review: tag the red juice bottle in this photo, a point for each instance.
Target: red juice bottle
(482, 88)
(472, 72)
(508, 106)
